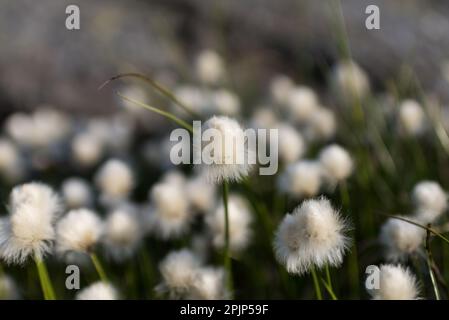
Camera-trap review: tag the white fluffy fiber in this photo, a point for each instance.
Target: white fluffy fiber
(336, 162)
(98, 291)
(313, 235)
(115, 179)
(302, 179)
(430, 201)
(396, 283)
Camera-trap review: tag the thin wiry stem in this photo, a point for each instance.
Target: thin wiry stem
(328, 277)
(329, 289)
(166, 114)
(44, 279)
(316, 284)
(98, 267)
(429, 265)
(227, 254)
(160, 88)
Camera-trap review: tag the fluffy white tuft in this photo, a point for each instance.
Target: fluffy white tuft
(321, 126)
(395, 283)
(115, 179)
(430, 201)
(302, 103)
(280, 87)
(291, 144)
(209, 67)
(336, 162)
(98, 291)
(76, 193)
(302, 179)
(209, 284)
(350, 81)
(313, 235)
(411, 118)
(29, 231)
(79, 230)
(201, 194)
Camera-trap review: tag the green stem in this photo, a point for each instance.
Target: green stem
(316, 284)
(329, 289)
(98, 267)
(227, 255)
(166, 114)
(429, 266)
(328, 277)
(44, 279)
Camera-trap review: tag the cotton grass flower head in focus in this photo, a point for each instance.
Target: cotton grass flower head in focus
(301, 179)
(395, 283)
(115, 179)
(240, 219)
(79, 230)
(313, 235)
(430, 201)
(169, 215)
(227, 162)
(210, 67)
(411, 118)
(209, 284)
(336, 163)
(29, 230)
(98, 291)
(178, 270)
(400, 238)
(76, 193)
(122, 232)
(302, 103)
(291, 144)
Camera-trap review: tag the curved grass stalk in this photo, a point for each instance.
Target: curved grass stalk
(98, 267)
(316, 284)
(429, 260)
(166, 114)
(160, 88)
(44, 279)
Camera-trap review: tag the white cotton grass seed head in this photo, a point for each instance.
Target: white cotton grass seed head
(411, 118)
(430, 201)
(209, 284)
(79, 230)
(395, 283)
(291, 144)
(122, 232)
(302, 103)
(231, 157)
(135, 93)
(87, 149)
(11, 161)
(321, 126)
(76, 193)
(280, 87)
(313, 235)
(201, 194)
(178, 270)
(210, 67)
(29, 230)
(115, 179)
(401, 239)
(350, 80)
(336, 162)
(169, 215)
(240, 219)
(98, 291)
(8, 288)
(226, 102)
(264, 118)
(302, 179)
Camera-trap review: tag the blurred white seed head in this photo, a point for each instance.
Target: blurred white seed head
(226, 102)
(263, 118)
(336, 163)
(196, 98)
(280, 87)
(98, 291)
(178, 270)
(123, 232)
(313, 235)
(301, 179)
(430, 201)
(210, 67)
(79, 230)
(350, 81)
(240, 218)
(135, 93)
(76, 193)
(87, 149)
(411, 118)
(209, 284)
(8, 288)
(291, 144)
(321, 126)
(302, 103)
(170, 215)
(201, 194)
(400, 238)
(226, 166)
(29, 231)
(115, 179)
(11, 161)
(395, 283)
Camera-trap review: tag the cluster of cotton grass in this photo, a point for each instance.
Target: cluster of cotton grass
(101, 193)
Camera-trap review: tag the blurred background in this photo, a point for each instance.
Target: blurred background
(43, 62)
